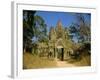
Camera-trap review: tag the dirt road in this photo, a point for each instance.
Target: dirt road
(64, 64)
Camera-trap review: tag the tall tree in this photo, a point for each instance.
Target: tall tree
(34, 30)
(40, 29)
(81, 29)
(28, 26)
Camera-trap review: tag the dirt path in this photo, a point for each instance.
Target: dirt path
(64, 64)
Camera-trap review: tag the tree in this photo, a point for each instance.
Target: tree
(34, 30)
(40, 29)
(84, 28)
(28, 26)
(80, 29)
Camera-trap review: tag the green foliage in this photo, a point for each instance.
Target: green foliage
(34, 30)
(28, 25)
(80, 29)
(40, 29)
(86, 46)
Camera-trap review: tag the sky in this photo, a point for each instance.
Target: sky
(66, 18)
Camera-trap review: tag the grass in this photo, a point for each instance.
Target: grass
(84, 61)
(32, 62)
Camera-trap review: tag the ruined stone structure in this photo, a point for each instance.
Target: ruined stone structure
(59, 43)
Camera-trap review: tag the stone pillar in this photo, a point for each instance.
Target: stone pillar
(56, 53)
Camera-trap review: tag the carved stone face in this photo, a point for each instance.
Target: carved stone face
(59, 43)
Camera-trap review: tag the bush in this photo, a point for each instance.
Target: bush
(86, 48)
